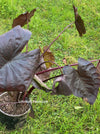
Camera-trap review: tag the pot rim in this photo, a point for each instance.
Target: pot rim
(11, 115)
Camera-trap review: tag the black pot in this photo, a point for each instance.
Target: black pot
(13, 121)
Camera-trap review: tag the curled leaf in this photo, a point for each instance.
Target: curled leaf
(62, 88)
(43, 76)
(79, 22)
(23, 18)
(83, 82)
(48, 56)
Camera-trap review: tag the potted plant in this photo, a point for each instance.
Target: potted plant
(19, 70)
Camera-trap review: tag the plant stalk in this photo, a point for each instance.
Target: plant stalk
(53, 69)
(57, 38)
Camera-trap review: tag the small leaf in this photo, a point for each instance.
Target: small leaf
(43, 76)
(23, 18)
(48, 56)
(79, 22)
(62, 88)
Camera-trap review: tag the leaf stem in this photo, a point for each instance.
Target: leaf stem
(53, 69)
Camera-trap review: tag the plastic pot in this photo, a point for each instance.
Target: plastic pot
(12, 121)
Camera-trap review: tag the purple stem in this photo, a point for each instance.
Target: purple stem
(53, 69)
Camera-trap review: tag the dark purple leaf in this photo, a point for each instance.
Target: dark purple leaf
(17, 74)
(83, 82)
(62, 88)
(12, 42)
(23, 18)
(16, 69)
(79, 22)
(98, 67)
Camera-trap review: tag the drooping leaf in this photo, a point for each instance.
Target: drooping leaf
(37, 83)
(23, 18)
(79, 22)
(43, 67)
(83, 82)
(62, 88)
(16, 69)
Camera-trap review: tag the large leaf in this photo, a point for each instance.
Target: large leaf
(16, 69)
(16, 75)
(23, 18)
(83, 82)
(12, 42)
(79, 22)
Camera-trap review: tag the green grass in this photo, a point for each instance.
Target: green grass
(59, 115)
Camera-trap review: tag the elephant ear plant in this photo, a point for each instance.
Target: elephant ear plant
(19, 70)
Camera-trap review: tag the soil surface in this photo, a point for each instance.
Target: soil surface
(12, 108)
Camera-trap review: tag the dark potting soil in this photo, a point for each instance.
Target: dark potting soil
(12, 108)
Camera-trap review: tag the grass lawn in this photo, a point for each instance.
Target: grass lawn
(59, 115)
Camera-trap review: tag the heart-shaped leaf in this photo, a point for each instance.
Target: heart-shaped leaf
(16, 69)
(17, 74)
(23, 18)
(79, 22)
(83, 82)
